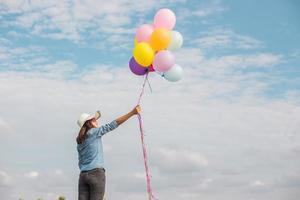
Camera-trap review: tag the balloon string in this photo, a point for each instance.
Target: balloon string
(149, 84)
(143, 89)
(145, 154)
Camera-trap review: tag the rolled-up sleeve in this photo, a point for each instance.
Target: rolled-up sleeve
(100, 131)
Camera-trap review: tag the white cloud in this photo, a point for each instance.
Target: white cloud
(222, 65)
(71, 19)
(257, 183)
(196, 139)
(4, 127)
(59, 69)
(178, 160)
(32, 174)
(189, 57)
(6, 184)
(262, 60)
(5, 179)
(58, 172)
(233, 64)
(242, 61)
(205, 10)
(226, 38)
(15, 57)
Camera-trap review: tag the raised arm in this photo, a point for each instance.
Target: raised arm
(124, 118)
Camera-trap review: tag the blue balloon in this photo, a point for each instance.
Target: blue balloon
(174, 74)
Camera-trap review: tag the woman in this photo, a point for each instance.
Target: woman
(90, 154)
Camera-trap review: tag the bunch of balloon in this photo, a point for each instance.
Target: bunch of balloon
(154, 45)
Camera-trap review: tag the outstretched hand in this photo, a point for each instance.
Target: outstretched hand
(136, 110)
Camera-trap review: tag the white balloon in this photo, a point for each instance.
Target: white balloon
(176, 41)
(174, 74)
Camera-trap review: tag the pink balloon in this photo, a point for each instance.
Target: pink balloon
(163, 61)
(164, 18)
(143, 33)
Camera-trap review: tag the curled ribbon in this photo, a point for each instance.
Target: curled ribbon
(145, 154)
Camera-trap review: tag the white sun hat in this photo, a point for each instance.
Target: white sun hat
(85, 117)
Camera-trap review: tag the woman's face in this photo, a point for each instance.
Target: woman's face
(92, 123)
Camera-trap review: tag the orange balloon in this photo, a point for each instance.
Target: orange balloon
(160, 39)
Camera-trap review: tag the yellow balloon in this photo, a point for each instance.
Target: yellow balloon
(143, 54)
(160, 39)
(135, 42)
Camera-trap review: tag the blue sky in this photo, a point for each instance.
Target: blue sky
(273, 25)
(233, 118)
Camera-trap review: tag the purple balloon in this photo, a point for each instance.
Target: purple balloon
(136, 68)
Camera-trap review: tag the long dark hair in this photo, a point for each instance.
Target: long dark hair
(83, 131)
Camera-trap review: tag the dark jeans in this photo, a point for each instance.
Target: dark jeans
(91, 184)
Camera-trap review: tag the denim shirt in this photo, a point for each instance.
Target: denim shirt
(90, 152)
